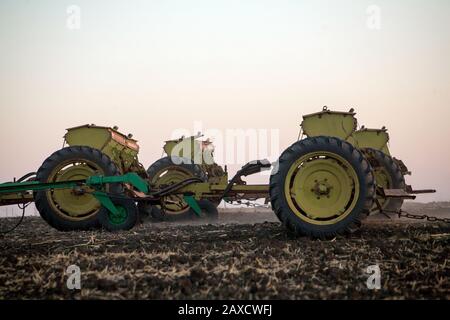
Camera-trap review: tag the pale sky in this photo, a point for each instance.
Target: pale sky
(152, 67)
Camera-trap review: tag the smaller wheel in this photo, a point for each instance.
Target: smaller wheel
(388, 175)
(165, 172)
(144, 209)
(144, 212)
(157, 214)
(125, 220)
(209, 210)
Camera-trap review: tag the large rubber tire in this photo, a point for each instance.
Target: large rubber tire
(209, 210)
(47, 212)
(380, 160)
(352, 221)
(190, 169)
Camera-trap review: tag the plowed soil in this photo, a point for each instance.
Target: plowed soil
(231, 259)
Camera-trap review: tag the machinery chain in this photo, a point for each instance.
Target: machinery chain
(408, 215)
(400, 214)
(404, 214)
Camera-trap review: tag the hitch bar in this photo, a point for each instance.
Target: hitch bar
(409, 189)
(407, 193)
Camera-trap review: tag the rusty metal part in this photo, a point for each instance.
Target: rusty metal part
(409, 189)
(397, 193)
(408, 215)
(19, 198)
(402, 166)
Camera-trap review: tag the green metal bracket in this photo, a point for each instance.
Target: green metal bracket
(131, 178)
(190, 200)
(93, 181)
(105, 201)
(13, 187)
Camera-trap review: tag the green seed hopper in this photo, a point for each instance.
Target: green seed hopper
(122, 149)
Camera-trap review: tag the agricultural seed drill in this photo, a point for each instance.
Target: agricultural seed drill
(322, 185)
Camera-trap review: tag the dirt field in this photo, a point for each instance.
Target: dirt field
(231, 259)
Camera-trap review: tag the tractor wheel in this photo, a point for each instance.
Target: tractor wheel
(65, 209)
(322, 187)
(388, 175)
(165, 172)
(209, 210)
(126, 219)
(144, 210)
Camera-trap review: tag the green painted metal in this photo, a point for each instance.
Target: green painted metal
(329, 123)
(325, 189)
(117, 214)
(200, 152)
(190, 200)
(188, 148)
(66, 200)
(17, 187)
(123, 151)
(371, 138)
(120, 217)
(343, 125)
(120, 148)
(93, 181)
(105, 201)
(131, 178)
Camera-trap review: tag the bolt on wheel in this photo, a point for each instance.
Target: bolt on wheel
(388, 175)
(322, 187)
(125, 218)
(73, 209)
(165, 172)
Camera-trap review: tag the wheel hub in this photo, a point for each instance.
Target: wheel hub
(120, 217)
(74, 202)
(173, 204)
(323, 188)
